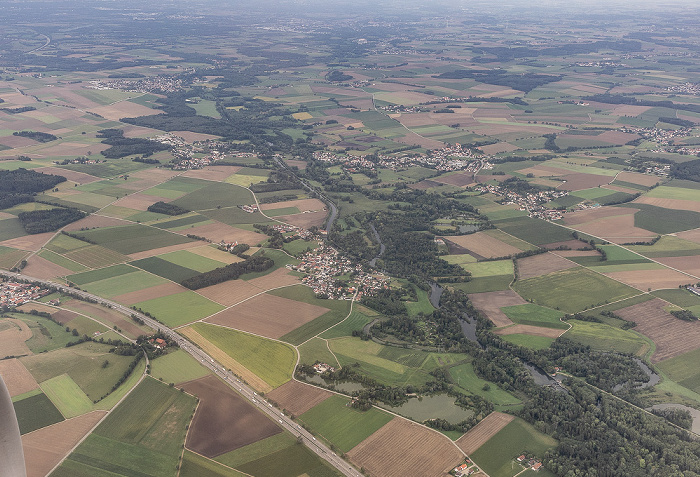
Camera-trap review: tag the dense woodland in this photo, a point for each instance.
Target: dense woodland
(21, 185)
(40, 221)
(166, 208)
(259, 263)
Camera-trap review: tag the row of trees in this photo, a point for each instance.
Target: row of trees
(232, 271)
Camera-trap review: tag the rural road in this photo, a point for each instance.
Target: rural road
(243, 389)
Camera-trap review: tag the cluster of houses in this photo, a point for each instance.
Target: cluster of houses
(533, 464)
(151, 84)
(15, 294)
(664, 137)
(321, 368)
(685, 88)
(325, 264)
(468, 468)
(249, 208)
(530, 202)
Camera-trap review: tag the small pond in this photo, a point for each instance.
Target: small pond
(439, 406)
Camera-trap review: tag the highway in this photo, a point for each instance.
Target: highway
(243, 389)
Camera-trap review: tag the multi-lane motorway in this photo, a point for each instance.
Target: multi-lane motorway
(243, 389)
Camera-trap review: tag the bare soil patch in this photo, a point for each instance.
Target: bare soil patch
(618, 188)
(579, 180)
(490, 304)
(402, 448)
(689, 264)
(691, 235)
(583, 216)
(301, 204)
(654, 279)
(217, 232)
(498, 148)
(116, 111)
(305, 220)
(487, 177)
(482, 432)
(106, 316)
(616, 137)
(672, 336)
(231, 292)
(267, 315)
(483, 245)
(92, 221)
(277, 279)
(41, 268)
(44, 448)
(227, 361)
(530, 330)
(212, 173)
(646, 180)
(74, 176)
(618, 229)
(460, 179)
(542, 264)
(137, 201)
(31, 243)
(297, 398)
(224, 421)
(12, 340)
(150, 293)
(63, 316)
(17, 379)
(169, 248)
(669, 203)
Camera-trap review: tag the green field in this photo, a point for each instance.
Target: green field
(60, 260)
(342, 426)
(616, 255)
(677, 193)
(490, 268)
(67, 396)
(131, 238)
(535, 315)
(195, 465)
(572, 290)
(35, 412)
(165, 269)
(11, 228)
(83, 363)
(256, 450)
(180, 308)
(460, 259)
(605, 337)
(683, 370)
(280, 258)
(534, 231)
(130, 282)
(355, 322)
(529, 341)
(182, 221)
(95, 256)
(497, 455)
(293, 461)
(271, 360)
(9, 257)
(191, 260)
(141, 437)
(668, 246)
(315, 350)
(177, 367)
(484, 284)
(297, 247)
(464, 377)
(663, 221)
(81, 279)
(215, 195)
(679, 297)
(46, 335)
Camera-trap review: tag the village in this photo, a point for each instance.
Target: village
(323, 267)
(14, 294)
(151, 84)
(531, 202)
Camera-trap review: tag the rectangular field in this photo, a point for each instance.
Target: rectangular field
(177, 367)
(483, 431)
(297, 397)
(180, 308)
(67, 396)
(132, 238)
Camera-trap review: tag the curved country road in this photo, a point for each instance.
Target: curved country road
(243, 389)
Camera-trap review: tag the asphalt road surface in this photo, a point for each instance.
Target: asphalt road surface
(243, 389)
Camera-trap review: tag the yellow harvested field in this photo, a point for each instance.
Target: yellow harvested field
(277, 279)
(31, 243)
(227, 361)
(401, 448)
(215, 254)
(230, 292)
(482, 432)
(490, 304)
(212, 173)
(301, 116)
(17, 379)
(45, 448)
(637, 178)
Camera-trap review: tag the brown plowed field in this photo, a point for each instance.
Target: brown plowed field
(41, 268)
(483, 245)
(301, 204)
(158, 251)
(618, 229)
(669, 203)
(616, 137)
(692, 235)
(157, 291)
(267, 315)
(498, 148)
(44, 448)
(636, 178)
(618, 188)
(490, 304)
(459, 179)
(108, 317)
(212, 173)
(297, 397)
(231, 292)
(305, 221)
(122, 109)
(74, 176)
(487, 177)
(672, 336)
(530, 330)
(579, 180)
(402, 448)
(217, 232)
(17, 379)
(28, 307)
(12, 340)
(63, 316)
(279, 278)
(654, 279)
(583, 216)
(237, 368)
(224, 421)
(92, 221)
(542, 264)
(687, 264)
(300, 164)
(482, 432)
(137, 201)
(29, 242)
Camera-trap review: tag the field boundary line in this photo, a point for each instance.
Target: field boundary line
(317, 335)
(90, 318)
(184, 442)
(223, 465)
